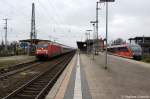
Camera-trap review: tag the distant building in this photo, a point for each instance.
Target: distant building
(82, 46)
(144, 42)
(89, 44)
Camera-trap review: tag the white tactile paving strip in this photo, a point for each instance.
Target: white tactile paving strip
(77, 88)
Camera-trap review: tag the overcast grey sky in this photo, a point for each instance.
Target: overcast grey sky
(67, 20)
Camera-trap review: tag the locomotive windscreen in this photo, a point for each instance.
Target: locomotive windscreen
(42, 46)
(136, 48)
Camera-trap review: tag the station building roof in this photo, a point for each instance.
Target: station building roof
(139, 38)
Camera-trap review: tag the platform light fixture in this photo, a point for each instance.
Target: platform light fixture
(93, 23)
(106, 28)
(88, 40)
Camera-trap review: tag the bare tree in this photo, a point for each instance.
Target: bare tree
(118, 41)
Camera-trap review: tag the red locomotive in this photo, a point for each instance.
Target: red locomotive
(51, 49)
(132, 51)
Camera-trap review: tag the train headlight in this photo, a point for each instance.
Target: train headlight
(46, 51)
(38, 50)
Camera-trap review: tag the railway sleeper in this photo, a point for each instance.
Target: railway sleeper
(34, 93)
(42, 81)
(46, 77)
(24, 96)
(35, 86)
(39, 83)
(30, 91)
(38, 86)
(34, 89)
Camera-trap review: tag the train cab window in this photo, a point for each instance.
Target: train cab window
(42, 46)
(135, 49)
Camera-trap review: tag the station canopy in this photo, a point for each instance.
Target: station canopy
(35, 40)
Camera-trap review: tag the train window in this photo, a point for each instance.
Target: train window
(124, 49)
(110, 50)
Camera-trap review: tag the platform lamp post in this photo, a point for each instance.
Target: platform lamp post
(97, 26)
(106, 28)
(86, 34)
(93, 23)
(88, 40)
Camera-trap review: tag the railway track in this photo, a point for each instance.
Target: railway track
(39, 86)
(9, 71)
(5, 72)
(12, 68)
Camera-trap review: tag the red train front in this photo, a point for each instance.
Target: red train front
(127, 50)
(47, 50)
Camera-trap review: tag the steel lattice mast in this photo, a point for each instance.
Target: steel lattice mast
(33, 34)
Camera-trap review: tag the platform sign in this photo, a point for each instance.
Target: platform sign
(23, 44)
(107, 0)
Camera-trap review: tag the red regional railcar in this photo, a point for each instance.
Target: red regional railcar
(132, 51)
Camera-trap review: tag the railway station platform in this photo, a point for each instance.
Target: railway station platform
(86, 78)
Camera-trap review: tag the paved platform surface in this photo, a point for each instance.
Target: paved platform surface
(86, 78)
(13, 60)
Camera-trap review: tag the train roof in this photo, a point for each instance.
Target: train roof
(123, 45)
(66, 46)
(55, 43)
(46, 41)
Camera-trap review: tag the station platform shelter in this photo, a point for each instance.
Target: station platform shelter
(35, 41)
(86, 78)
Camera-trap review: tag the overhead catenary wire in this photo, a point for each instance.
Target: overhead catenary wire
(48, 13)
(23, 12)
